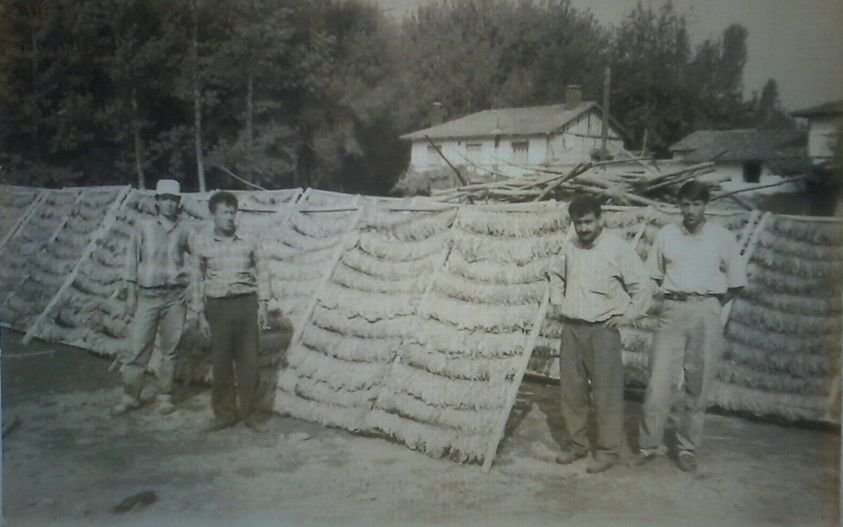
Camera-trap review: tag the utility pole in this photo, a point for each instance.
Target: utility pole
(604, 136)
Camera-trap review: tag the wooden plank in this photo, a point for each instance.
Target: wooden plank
(524, 360)
(748, 229)
(58, 229)
(105, 225)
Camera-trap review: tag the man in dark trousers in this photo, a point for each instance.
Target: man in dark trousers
(698, 267)
(605, 286)
(233, 293)
(156, 282)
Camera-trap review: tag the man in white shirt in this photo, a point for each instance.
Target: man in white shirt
(605, 286)
(699, 269)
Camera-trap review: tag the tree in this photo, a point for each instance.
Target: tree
(767, 112)
(653, 90)
(717, 72)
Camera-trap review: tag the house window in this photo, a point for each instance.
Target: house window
(520, 149)
(473, 148)
(752, 171)
(433, 157)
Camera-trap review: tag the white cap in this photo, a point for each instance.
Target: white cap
(168, 187)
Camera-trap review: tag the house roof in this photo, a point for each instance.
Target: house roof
(829, 108)
(530, 120)
(742, 145)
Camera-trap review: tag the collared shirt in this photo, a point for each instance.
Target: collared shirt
(156, 254)
(705, 262)
(604, 279)
(228, 266)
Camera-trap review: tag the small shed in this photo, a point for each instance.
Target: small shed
(748, 157)
(824, 124)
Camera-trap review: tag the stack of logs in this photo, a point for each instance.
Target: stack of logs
(636, 181)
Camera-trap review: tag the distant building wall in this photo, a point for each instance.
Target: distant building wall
(574, 145)
(822, 137)
(735, 172)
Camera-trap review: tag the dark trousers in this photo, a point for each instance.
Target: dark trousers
(590, 363)
(234, 345)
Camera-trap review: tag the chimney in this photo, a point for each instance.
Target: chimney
(573, 96)
(437, 113)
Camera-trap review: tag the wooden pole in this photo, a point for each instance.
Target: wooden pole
(746, 255)
(197, 103)
(578, 170)
(759, 187)
(439, 151)
(604, 130)
(648, 214)
(521, 368)
(30, 210)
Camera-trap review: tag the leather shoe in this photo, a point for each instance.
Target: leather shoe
(219, 424)
(686, 461)
(641, 458)
(601, 464)
(123, 407)
(569, 456)
(254, 425)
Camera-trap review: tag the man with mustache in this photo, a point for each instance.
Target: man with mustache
(605, 286)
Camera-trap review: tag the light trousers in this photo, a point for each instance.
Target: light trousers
(160, 311)
(683, 367)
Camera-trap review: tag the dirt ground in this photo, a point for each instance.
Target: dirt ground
(67, 463)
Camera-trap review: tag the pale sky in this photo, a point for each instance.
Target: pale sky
(797, 42)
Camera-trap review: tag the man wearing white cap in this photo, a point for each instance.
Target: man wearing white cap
(156, 281)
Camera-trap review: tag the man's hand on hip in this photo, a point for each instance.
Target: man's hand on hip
(618, 321)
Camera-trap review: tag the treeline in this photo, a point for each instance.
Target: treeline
(315, 93)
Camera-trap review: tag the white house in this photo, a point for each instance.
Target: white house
(824, 125)
(508, 141)
(748, 157)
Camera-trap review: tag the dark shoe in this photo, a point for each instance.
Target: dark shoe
(569, 456)
(601, 464)
(641, 458)
(219, 424)
(686, 461)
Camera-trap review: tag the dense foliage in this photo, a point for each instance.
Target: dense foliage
(316, 93)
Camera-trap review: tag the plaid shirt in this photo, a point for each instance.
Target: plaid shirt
(156, 254)
(228, 267)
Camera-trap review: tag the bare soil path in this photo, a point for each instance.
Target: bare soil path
(68, 463)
